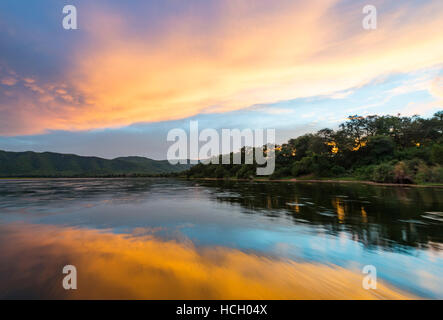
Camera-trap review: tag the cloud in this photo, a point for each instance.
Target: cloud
(418, 108)
(436, 87)
(222, 56)
(342, 95)
(8, 81)
(123, 266)
(272, 110)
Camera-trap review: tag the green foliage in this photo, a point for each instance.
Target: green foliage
(220, 172)
(246, 172)
(316, 164)
(383, 173)
(402, 173)
(364, 173)
(338, 171)
(380, 147)
(390, 149)
(437, 174)
(437, 154)
(280, 173)
(424, 173)
(48, 164)
(303, 166)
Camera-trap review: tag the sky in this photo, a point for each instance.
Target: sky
(133, 70)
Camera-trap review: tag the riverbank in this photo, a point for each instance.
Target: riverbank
(294, 180)
(338, 180)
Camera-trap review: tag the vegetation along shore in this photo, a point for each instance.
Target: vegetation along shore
(376, 149)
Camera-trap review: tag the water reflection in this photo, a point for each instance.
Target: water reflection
(391, 217)
(399, 230)
(141, 266)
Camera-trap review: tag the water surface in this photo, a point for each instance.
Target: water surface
(167, 238)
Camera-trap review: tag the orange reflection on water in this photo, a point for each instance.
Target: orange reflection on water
(144, 267)
(340, 207)
(364, 215)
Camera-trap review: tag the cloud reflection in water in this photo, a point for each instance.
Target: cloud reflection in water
(142, 266)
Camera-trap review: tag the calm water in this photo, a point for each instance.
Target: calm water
(166, 238)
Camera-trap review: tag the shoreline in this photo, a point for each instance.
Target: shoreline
(294, 180)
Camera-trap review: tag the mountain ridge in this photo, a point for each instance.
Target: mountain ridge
(52, 164)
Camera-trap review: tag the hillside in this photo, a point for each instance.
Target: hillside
(49, 164)
(388, 149)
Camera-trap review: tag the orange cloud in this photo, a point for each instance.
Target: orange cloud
(8, 81)
(116, 266)
(290, 50)
(437, 87)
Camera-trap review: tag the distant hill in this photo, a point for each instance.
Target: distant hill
(49, 164)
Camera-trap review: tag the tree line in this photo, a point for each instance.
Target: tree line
(390, 149)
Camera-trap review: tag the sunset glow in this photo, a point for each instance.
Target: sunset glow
(215, 58)
(143, 267)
